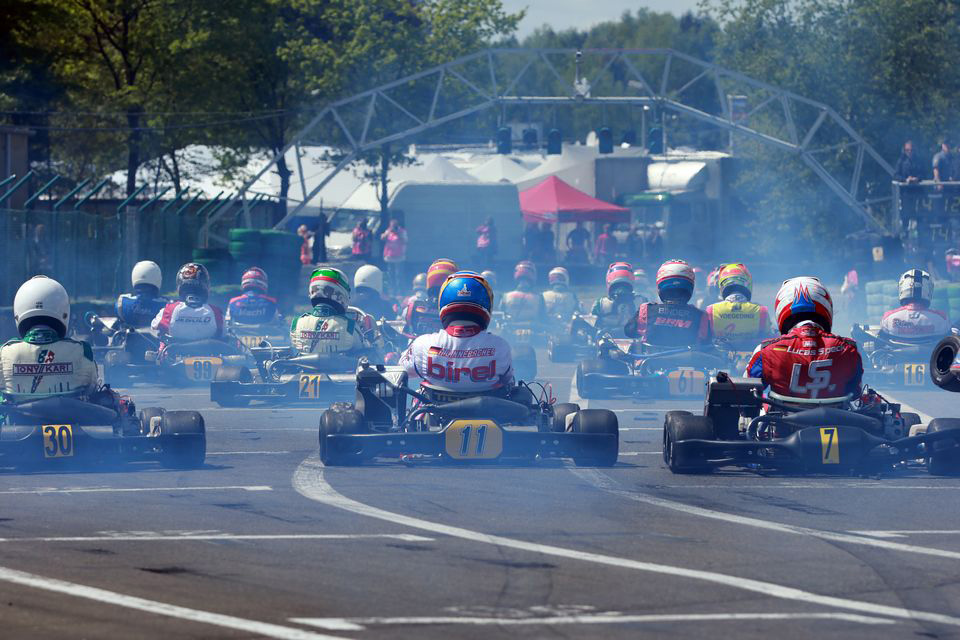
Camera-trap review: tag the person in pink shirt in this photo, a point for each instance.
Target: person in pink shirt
(362, 241)
(394, 252)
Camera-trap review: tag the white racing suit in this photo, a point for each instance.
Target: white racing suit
(914, 322)
(560, 303)
(42, 365)
(325, 330)
(183, 323)
(459, 359)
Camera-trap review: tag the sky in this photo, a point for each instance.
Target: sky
(562, 14)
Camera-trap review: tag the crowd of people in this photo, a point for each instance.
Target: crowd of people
(638, 243)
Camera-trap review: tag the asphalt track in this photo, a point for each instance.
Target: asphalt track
(265, 542)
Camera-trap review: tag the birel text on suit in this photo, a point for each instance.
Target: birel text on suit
(915, 322)
(460, 359)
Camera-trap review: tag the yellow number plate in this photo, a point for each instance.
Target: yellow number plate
(310, 386)
(829, 446)
(686, 382)
(473, 440)
(57, 440)
(252, 341)
(914, 375)
(200, 369)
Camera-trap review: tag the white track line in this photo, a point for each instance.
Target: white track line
(360, 624)
(604, 482)
(308, 480)
(405, 537)
(62, 490)
(248, 453)
(903, 533)
(251, 627)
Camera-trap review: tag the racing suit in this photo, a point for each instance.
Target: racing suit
(739, 321)
(137, 310)
(252, 308)
(669, 325)
(808, 362)
(183, 323)
(613, 313)
(560, 303)
(459, 359)
(325, 330)
(915, 322)
(42, 365)
(523, 306)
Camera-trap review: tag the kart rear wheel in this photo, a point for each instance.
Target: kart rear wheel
(591, 389)
(183, 440)
(340, 419)
(230, 373)
(666, 420)
(940, 360)
(909, 420)
(560, 349)
(525, 362)
(943, 458)
(597, 421)
(560, 413)
(146, 414)
(685, 427)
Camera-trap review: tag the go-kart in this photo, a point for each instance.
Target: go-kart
(575, 341)
(626, 367)
(522, 335)
(509, 425)
(888, 361)
(828, 435)
(945, 364)
(274, 334)
(60, 432)
(114, 341)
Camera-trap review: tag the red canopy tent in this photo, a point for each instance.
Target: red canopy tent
(553, 200)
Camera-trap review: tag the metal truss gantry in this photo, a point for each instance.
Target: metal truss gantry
(658, 78)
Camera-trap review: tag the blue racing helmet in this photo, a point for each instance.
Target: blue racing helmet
(465, 295)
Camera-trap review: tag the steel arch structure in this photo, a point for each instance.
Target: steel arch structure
(660, 78)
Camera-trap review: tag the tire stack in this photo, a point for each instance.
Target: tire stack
(245, 249)
(952, 303)
(280, 257)
(217, 262)
(881, 297)
(941, 299)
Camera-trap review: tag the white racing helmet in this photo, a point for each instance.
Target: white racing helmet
(41, 300)
(915, 286)
(803, 298)
(369, 276)
(146, 272)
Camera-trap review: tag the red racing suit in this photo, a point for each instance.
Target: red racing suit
(808, 362)
(669, 325)
(462, 359)
(915, 322)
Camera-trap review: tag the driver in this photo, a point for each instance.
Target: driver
(807, 361)
(327, 328)
(190, 318)
(419, 292)
(915, 320)
(617, 307)
(43, 362)
(673, 322)
(137, 309)
(559, 301)
(368, 292)
(735, 318)
(254, 306)
(463, 356)
(523, 304)
(421, 317)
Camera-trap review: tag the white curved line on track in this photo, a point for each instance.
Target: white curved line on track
(308, 480)
(244, 625)
(605, 483)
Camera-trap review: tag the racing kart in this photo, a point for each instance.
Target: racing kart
(804, 436)
(626, 367)
(942, 361)
(891, 362)
(577, 341)
(114, 342)
(274, 334)
(506, 426)
(63, 432)
(179, 364)
(522, 335)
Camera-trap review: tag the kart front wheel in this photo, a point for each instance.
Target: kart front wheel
(560, 413)
(942, 357)
(678, 427)
(943, 458)
(183, 440)
(588, 388)
(340, 419)
(224, 397)
(597, 421)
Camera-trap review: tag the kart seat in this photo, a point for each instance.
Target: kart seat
(483, 407)
(829, 416)
(59, 409)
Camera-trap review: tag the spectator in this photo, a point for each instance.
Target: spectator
(306, 248)
(530, 238)
(606, 247)
(486, 243)
(320, 239)
(943, 164)
(546, 244)
(908, 168)
(362, 241)
(394, 253)
(578, 245)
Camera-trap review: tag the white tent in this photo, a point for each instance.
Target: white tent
(575, 166)
(439, 169)
(499, 168)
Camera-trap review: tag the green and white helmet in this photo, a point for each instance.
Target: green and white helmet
(329, 286)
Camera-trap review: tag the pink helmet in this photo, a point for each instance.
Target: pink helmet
(619, 274)
(254, 278)
(675, 280)
(803, 298)
(525, 270)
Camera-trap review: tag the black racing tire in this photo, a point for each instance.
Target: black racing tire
(340, 419)
(667, 419)
(230, 373)
(560, 349)
(145, 416)
(560, 413)
(943, 458)
(525, 363)
(685, 427)
(588, 389)
(940, 360)
(183, 440)
(909, 419)
(602, 421)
